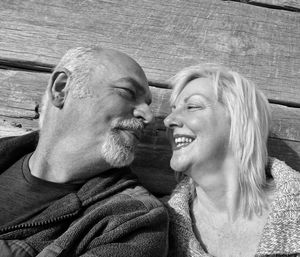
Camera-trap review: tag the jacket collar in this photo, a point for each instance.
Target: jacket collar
(105, 184)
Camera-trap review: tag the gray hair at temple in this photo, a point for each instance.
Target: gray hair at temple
(250, 119)
(78, 64)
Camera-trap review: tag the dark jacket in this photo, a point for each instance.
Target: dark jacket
(110, 215)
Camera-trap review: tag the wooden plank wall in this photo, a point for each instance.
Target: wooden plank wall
(260, 39)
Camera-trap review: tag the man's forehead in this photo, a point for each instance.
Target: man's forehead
(116, 67)
(121, 65)
(118, 73)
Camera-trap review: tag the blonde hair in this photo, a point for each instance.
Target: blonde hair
(77, 63)
(250, 120)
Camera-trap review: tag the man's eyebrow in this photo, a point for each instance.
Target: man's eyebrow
(136, 84)
(130, 81)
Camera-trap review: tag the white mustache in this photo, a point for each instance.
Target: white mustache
(130, 124)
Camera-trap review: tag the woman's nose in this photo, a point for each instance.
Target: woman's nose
(172, 121)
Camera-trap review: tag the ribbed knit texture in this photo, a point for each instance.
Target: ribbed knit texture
(281, 234)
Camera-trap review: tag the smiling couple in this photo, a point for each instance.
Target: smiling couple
(72, 193)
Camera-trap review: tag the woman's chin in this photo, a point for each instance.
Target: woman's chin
(178, 165)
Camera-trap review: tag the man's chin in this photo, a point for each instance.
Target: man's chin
(117, 156)
(117, 150)
(121, 160)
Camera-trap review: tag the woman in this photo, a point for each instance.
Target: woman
(232, 200)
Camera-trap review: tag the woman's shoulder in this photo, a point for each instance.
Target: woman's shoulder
(281, 233)
(286, 179)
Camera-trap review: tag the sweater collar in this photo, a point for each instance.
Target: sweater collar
(281, 232)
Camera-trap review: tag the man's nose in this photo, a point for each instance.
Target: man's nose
(144, 113)
(172, 121)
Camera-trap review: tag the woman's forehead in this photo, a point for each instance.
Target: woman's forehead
(200, 86)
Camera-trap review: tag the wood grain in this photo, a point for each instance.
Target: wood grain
(164, 36)
(285, 150)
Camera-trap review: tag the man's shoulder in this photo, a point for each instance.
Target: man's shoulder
(139, 193)
(13, 148)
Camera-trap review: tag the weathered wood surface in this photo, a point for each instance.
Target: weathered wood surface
(259, 38)
(164, 36)
(21, 92)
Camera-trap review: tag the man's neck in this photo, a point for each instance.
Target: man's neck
(56, 164)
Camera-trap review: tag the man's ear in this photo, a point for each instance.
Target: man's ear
(58, 88)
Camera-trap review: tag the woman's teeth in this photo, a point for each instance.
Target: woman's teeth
(181, 141)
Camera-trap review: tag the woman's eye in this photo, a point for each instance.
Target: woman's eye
(194, 107)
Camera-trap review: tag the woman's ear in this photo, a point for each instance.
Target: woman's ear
(58, 88)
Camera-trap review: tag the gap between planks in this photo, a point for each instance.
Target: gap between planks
(29, 66)
(265, 4)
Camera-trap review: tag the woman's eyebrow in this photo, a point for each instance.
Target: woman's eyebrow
(197, 94)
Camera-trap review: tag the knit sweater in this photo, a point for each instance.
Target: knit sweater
(281, 233)
(110, 215)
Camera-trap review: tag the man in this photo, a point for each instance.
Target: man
(70, 197)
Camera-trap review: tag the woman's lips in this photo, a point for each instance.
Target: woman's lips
(181, 141)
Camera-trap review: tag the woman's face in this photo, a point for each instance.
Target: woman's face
(198, 128)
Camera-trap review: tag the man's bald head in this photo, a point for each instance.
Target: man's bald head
(81, 62)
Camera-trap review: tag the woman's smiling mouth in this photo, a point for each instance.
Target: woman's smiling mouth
(181, 141)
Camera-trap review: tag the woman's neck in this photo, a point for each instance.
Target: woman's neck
(217, 189)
